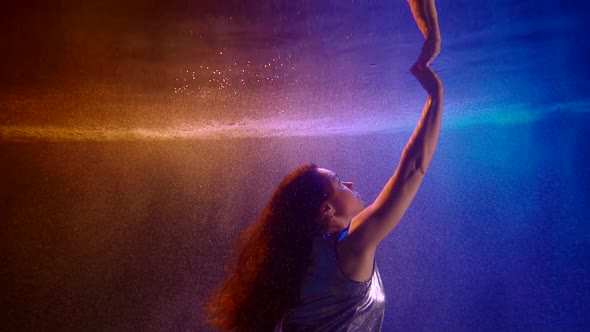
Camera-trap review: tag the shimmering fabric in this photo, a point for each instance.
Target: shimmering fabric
(330, 301)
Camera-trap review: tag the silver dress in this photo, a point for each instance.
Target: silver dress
(330, 301)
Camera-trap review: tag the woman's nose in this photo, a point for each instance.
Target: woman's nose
(350, 185)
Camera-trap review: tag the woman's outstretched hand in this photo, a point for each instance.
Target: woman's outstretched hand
(428, 79)
(356, 253)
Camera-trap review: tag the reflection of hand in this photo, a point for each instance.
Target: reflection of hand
(428, 79)
(430, 49)
(424, 12)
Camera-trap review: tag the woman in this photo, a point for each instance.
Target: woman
(308, 263)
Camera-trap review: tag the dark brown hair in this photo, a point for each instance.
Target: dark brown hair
(272, 256)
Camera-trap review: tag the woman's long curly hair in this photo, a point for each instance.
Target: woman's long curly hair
(272, 256)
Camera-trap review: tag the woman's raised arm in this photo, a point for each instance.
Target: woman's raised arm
(373, 224)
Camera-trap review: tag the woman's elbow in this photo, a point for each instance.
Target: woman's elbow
(416, 159)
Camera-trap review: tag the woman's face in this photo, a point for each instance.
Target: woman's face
(343, 204)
